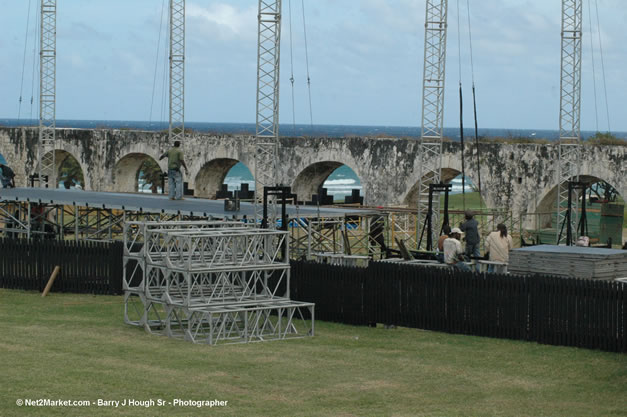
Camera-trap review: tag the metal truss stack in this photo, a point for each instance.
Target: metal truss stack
(211, 282)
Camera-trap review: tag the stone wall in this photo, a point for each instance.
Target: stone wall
(520, 177)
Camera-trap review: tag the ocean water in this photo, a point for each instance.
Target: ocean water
(343, 180)
(306, 130)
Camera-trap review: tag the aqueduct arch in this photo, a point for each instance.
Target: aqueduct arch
(310, 179)
(548, 200)
(211, 176)
(447, 175)
(60, 157)
(126, 172)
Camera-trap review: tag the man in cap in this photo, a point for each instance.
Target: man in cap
(453, 251)
(471, 229)
(175, 177)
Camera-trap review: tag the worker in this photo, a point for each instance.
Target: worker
(446, 231)
(7, 176)
(471, 230)
(175, 177)
(453, 252)
(498, 244)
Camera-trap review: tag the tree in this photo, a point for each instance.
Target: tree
(607, 138)
(70, 173)
(604, 191)
(151, 173)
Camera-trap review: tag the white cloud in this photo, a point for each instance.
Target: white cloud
(224, 20)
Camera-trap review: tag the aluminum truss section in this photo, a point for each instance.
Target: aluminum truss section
(140, 244)
(570, 107)
(202, 288)
(432, 109)
(267, 131)
(47, 94)
(138, 241)
(224, 249)
(253, 322)
(177, 71)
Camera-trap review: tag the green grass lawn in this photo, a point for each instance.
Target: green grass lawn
(456, 201)
(77, 347)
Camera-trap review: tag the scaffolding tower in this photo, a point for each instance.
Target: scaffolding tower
(176, 130)
(267, 131)
(432, 110)
(570, 105)
(47, 94)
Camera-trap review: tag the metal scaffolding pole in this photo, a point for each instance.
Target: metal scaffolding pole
(177, 71)
(432, 109)
(267, 132)
(47, 94)
(570, 105)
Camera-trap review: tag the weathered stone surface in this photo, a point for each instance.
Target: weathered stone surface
(520, 177)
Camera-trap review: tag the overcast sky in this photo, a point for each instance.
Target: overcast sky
(365, 61)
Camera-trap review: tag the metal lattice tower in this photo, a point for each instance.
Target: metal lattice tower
(432, 110)
(177, 71)
(267, 132)
(47, 93)
(570, 106)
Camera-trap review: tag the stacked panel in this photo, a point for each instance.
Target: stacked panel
(569, 261)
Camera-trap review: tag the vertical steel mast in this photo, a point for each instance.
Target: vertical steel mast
(177, 71)
(267, 132)
(432, 110)
(47, 93)
(570, 105)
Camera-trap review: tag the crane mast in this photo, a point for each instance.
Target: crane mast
(176, 129)
(432, 110)
(267, 130)
(569, 163)
(46, 163)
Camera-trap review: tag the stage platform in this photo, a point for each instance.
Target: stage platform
(158, 203)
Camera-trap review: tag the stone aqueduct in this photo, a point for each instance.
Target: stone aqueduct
(519, 177)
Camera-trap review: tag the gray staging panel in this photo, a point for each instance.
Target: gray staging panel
(569, 261)
(154, 203)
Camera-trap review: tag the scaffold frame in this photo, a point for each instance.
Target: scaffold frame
(570, 146)
(176, 129)
(47, 94)
(267, 120)
(433, 83)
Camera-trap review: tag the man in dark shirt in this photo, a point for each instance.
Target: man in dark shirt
(175, 177)
(471, 231)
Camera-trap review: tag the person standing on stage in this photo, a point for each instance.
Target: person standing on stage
(471, 229)
(175, 177)
(498, 244)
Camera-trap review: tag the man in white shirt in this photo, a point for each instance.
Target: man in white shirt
(453, 250)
